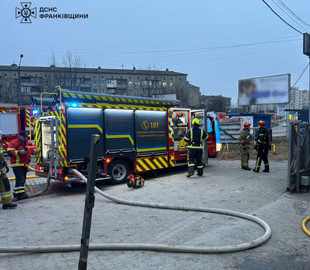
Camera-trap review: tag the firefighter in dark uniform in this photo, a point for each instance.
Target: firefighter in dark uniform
(194, 137)
(262, 147)
(245, 139)
(5, 187)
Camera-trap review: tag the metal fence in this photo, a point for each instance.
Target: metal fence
(299, 157)
(230, 131)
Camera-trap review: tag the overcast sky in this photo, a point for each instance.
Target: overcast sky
(194, 37)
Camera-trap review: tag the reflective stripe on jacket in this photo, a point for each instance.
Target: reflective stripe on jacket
(262, 137)
(18, 159)
(195, 136)
(245, 137)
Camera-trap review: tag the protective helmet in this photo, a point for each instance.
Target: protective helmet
(196, 121)
(262, 123)
(246, 125)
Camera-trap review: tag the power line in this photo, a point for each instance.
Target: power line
(181, 51)
(294, 14)
(289, 14)
(302, 73)
(281, 17)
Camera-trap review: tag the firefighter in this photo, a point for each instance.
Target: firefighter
(19, 158)
(194, 137)
(245, 139)
(5, 187)
(262, 147)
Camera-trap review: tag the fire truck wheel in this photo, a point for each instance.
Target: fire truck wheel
(118, 170)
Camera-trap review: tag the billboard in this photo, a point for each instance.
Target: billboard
(264, 90)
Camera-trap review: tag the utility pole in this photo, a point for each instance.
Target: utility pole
(309, 91)
(306, 51)
(18, 83)
(89, 201)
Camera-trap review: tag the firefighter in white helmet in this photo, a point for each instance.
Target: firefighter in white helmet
(194, 137)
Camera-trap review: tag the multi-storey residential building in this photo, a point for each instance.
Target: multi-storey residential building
(216, 103)
(303, 99)
(21, 84)
(294, 98)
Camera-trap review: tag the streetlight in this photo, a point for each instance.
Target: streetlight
(18, 85)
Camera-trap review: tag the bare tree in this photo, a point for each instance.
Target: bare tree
(52, 60)
(60, 76)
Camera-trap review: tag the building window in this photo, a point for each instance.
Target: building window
(111, 83)
(164, 84)
(171, 84)
(25, 89)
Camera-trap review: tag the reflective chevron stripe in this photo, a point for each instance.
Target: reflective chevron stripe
(151, 163)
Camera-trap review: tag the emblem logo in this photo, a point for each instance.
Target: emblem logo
(25, 12)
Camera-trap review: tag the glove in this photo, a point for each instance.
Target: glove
(34, 152)
(24, 151)
(256, 147)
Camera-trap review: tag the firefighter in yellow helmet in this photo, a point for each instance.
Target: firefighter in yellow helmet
(194, 137)
(245, 139)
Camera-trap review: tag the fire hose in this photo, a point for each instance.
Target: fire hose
(155, 247)
(304, 226)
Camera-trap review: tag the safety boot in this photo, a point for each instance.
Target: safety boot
(255, 170)
(9, 206)
(20, 196)
(189, 174)
(246, 168)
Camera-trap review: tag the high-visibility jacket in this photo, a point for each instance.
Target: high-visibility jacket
(195, 136)
(5, 188)
(245, 137)
(17, 158)
(262, 138)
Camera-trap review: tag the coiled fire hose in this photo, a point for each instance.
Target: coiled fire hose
(304, 226)
(48, 181)
(155, 247)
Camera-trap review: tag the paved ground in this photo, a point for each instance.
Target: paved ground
(56, 218)
(279, 131)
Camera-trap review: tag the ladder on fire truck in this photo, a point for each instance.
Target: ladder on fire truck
(50, 143)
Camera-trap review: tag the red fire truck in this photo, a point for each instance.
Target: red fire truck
(14, 119)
